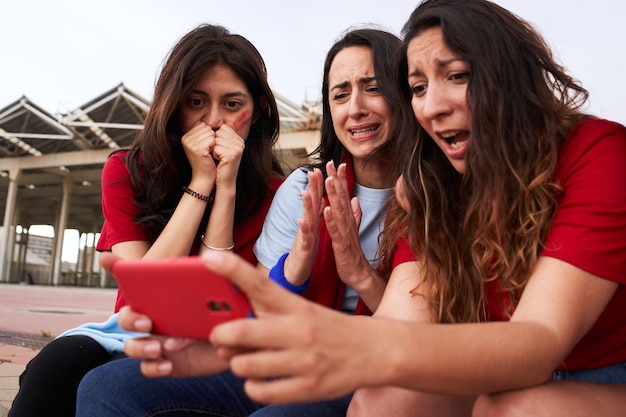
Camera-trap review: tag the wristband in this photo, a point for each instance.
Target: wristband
(197, 195)
(277, 274)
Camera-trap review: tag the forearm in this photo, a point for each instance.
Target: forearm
(479, 358)
(370, 286)
(177, 237)
(219, 231)
(298, 267)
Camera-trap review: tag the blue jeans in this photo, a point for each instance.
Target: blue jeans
(119, 388)
(611, 374)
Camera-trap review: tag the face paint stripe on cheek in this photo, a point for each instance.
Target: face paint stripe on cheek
(241, 120)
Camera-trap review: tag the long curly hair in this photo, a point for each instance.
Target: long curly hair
(489, 224)
(157, 161)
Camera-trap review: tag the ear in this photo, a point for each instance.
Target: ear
(263, 102)
(264, 105)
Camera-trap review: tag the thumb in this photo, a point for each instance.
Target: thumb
(107, 259)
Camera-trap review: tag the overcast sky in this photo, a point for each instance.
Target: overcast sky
(62, 53)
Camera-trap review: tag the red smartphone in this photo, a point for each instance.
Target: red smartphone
(181, 296)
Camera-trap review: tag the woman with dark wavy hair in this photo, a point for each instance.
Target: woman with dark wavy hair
(508, 248)
(200, 175)
(320, 239)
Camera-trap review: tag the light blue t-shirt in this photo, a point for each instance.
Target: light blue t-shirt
(281, 224)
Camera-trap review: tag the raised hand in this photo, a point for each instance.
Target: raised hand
(299, 263)
(343, 217)
(198, 143)
(229, 147)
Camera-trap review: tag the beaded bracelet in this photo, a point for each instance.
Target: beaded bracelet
(195, 194)
(277, 274)
(231, 247)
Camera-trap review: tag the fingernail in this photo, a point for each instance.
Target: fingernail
(151, 348)
(164, 368)
(141, 324)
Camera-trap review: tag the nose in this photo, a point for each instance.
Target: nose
(436, 103)
(213, 118)
(357, 105)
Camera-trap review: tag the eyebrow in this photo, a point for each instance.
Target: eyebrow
(363, 80)
(440, 64)
(227, 95)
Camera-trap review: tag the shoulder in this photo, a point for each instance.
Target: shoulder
(115, 168)
(597, 128)
(297, 181)
(403, 252)
(593, 134)
(287, 200)
(276, 182)
(593, 145)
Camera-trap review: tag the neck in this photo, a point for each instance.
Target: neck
(372, 175)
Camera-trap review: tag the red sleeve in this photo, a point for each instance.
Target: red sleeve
(589, 230)
(403, 253)
(118, 205)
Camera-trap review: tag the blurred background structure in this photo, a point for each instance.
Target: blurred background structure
(50, 168)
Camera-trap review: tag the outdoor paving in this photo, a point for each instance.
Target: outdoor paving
(13, 360)
(32, 316)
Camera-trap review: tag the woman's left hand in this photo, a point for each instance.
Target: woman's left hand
(168, 356)
(343, 218)
(229, 147)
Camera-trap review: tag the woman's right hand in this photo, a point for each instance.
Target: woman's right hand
(299, 263)
(199, 143)
(168, 356)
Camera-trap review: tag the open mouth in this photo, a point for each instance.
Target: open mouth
(365, 131)
(455, 139)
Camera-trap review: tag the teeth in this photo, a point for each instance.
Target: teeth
(456, 145)
(363, 131)
(448, 135)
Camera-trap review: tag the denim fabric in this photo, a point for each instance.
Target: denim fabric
(612, 374)
(119, 389)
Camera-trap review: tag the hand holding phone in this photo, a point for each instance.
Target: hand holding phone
(180, 295)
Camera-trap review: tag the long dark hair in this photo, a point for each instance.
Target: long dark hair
(157, 161)
(383, 45)
(491, 221)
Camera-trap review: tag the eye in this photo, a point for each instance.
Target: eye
(340, 97)
(196, 102)
(233, 104)
(373, 89)
(460, 77)
(419, 89)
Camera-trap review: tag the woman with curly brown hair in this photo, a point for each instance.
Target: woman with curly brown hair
(507, 248)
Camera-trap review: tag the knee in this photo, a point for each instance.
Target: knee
(92, 384)
(110, 378)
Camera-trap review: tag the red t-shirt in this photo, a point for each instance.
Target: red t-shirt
(120, 212)
(589, 232)
(403, 252)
